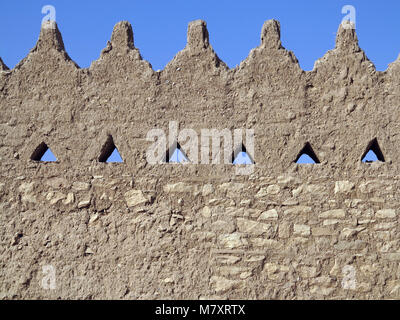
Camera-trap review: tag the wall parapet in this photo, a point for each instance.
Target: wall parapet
(339, 107)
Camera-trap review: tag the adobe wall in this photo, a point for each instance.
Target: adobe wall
(141, 231)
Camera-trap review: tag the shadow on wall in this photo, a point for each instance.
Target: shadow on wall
(109, 153)
(43, 153)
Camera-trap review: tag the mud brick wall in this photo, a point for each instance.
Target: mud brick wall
(138, 231)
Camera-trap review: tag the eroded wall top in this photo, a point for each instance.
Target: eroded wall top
(339, 107)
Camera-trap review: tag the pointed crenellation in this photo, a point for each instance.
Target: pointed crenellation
(122, 35)
(346, 45)
(50, 41)
(50, 37)
(271, 34)
(120, 49)
(346, 38)
(3, 67)
(198, 44)
(197, 35)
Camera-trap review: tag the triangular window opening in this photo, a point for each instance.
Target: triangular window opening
(241, 157)
(43, 154)
(177, 156)
(109, 153)
(307, 155)
(373, 153)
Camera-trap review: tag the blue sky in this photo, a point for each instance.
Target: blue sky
(308, 27)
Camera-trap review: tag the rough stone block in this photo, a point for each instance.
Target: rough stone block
(386, 214)
(333, 214)
(344, 187)
(301, 230)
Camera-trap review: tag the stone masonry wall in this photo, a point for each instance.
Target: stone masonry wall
(138, 231)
